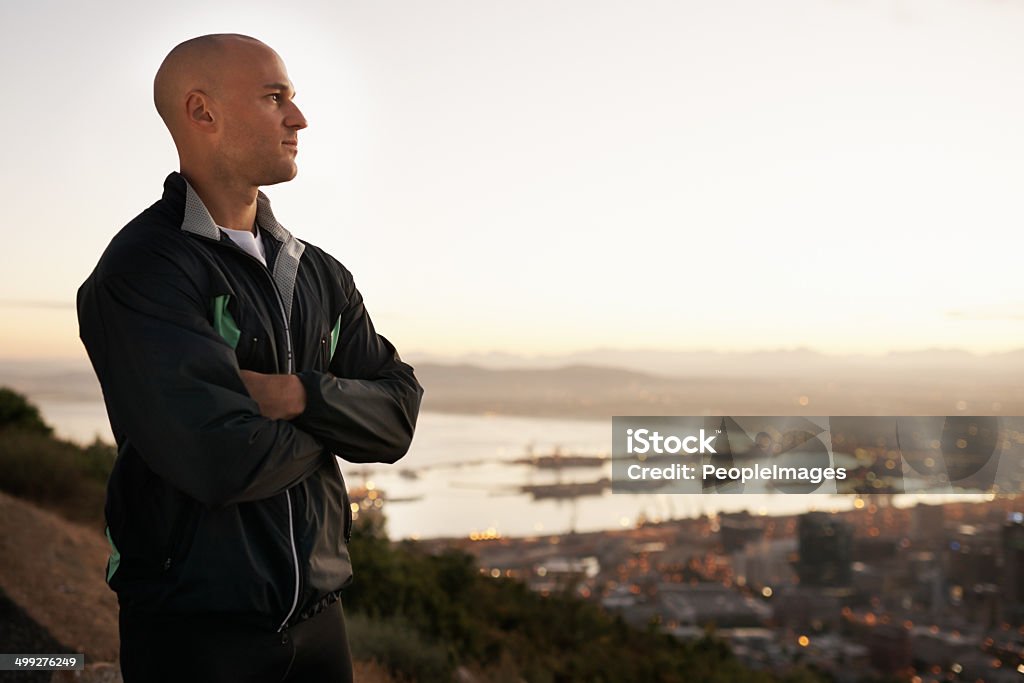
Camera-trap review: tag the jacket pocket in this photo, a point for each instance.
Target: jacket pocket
(348, 513)
(325, 360)
(248, 351)
(346, 503)
(179, 541)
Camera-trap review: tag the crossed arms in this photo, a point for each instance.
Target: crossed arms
(175, 393)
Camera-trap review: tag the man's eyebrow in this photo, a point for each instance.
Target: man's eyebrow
(278, 86)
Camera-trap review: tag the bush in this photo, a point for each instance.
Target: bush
(397, 645)
(97, 461)
(55, 474)
(50, 472)
(38, 467)
(17, 413)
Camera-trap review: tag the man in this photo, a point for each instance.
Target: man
(235, 361)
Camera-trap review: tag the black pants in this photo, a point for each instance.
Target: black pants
(158, 648)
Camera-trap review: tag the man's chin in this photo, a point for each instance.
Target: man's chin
(282, 176)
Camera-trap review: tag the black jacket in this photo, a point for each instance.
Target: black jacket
(212, 507)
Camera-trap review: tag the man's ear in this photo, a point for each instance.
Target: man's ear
(199, 112)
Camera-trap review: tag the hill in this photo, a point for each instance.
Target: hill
(53, 570)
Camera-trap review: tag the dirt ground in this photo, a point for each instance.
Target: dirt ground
(54, 570)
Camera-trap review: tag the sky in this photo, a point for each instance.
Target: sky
(543, 177)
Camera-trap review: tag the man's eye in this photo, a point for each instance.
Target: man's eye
(276, 97)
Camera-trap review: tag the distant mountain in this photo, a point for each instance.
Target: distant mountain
(780, 363)
(587, 391)
(601, 383)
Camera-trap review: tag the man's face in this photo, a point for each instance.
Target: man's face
(259, 135)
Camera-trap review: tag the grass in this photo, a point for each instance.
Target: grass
(56, 474)
(396, 643)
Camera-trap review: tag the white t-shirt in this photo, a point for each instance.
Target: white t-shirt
(250, 243)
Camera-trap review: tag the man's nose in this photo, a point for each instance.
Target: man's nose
(295, 119)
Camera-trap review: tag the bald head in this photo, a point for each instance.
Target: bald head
(197, 64)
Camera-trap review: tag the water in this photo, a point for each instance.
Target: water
(81, 421)
(457, 478)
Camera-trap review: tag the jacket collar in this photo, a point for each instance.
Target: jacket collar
(197, 220)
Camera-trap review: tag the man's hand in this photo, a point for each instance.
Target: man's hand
(280, 397)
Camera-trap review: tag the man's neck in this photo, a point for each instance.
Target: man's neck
(230, 206)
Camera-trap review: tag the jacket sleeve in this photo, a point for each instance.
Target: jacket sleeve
(174, 392)
(365, 408)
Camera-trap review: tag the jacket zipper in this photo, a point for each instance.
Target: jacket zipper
(295, 559)
(287, 493)
(291, 369)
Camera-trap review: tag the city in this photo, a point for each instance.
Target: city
(927, 593)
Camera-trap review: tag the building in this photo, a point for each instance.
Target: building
(1012, 575)
(825, 546)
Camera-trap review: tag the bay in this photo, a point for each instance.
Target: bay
(459, 478)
